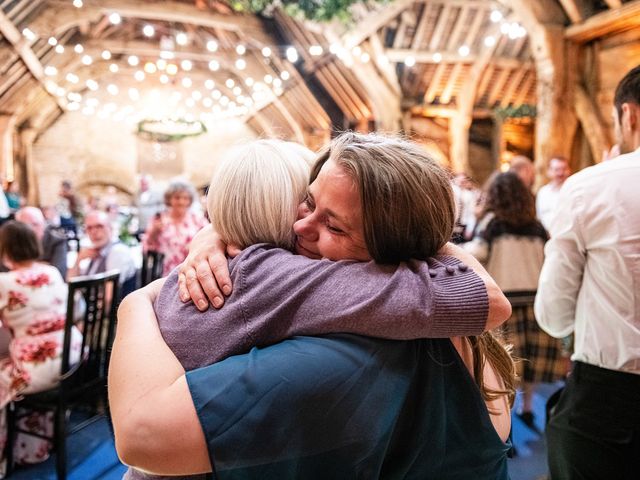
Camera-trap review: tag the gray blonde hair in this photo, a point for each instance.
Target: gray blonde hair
(255, 192)
(177, 185)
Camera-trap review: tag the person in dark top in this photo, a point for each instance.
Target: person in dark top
(54, 244)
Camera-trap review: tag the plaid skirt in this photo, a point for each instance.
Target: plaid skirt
(539, 357)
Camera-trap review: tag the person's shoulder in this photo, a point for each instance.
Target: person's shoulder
(53, 236)
(261, 251)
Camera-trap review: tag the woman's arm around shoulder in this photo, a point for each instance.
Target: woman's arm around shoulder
(499, 306)
(154, 419)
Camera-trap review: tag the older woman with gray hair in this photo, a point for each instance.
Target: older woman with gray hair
(171, 231)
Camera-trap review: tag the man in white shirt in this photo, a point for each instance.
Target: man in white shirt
(590, 285)
(104, 254)
(547, 198)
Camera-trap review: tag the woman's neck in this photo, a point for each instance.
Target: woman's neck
(22, 265)
(177, 215)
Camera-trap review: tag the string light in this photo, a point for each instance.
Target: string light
(77, 3)
(148, 31)
(50, 71)
(182, 39)
(115, 18)
(106, 55)
(266, 52)
(78, 48)
(284, 75)
(315, 50)
(410, 61)
(292, 54)
(241, 49)
(52, 41)
(212, 45)
(59, 48)
(241, 64)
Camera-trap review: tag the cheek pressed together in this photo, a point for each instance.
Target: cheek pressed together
(330, 219)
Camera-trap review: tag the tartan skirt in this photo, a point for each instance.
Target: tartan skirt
(539, 357)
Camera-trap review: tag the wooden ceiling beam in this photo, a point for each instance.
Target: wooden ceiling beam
(60, 16)
(423, 25)
(474, 29)
(496, 89)
(372, 23)
(574, 9)
(613, 3)
(459, 23)
(440, 111)
(434, 84)
(512, 86)
(399, 55)
(625, 17)
(438, 31)
(447, 91)
(23, 49)
(524, 90)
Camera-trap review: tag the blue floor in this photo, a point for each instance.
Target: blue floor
(92, 456)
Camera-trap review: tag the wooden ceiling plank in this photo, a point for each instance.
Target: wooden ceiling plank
(460, 23)
(398, 40)
(573, 9)
(434, 84)
(485, 77)
(497, 87)
(421, 29)
(372, 23)
(613, 3)
(438, 31)
(59, 16)
(625, 17)
(524, 90)
(399, 55)
(22, 47)
(474, 29)
(512, 86)
(348, 87)
(384, 66)
(445, 96)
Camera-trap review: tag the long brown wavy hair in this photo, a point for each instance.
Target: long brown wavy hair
(408, 211)
(509, 200)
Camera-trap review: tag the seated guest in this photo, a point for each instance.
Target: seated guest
(104, 253)
(171, 231)
(33, 299)
(53, 243)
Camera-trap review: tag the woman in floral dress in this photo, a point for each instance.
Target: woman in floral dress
(171, 232)
(33, 299)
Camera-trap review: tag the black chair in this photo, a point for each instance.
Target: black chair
(152, 264)
(83, 384)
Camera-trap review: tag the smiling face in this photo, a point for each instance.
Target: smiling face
(180, 202)
(330, 220)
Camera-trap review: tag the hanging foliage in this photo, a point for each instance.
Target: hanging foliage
(169, 130)
(520, 111)
(317, 10)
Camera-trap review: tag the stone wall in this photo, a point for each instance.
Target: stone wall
(93, 152)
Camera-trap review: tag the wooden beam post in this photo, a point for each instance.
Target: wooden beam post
(594, 129)
(7, 126)
(556, 120)
(27, 138)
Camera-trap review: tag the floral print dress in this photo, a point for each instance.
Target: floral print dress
(33, 304)
(174, 239)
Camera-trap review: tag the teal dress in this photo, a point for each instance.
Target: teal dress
(347, 407)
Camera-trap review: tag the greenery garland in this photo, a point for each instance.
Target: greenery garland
(316, 10)
(521, 111)
(147, 131)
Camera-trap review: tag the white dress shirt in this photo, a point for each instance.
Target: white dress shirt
(546, 203)
(590, 281)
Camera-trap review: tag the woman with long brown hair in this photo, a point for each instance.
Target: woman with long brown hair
(510, 243)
